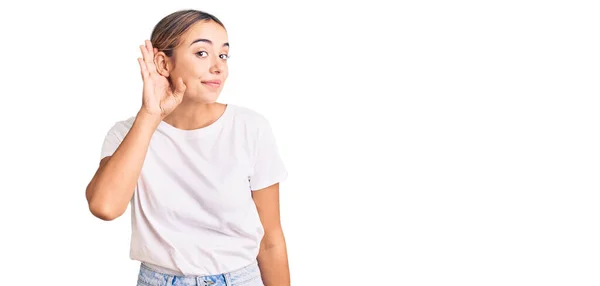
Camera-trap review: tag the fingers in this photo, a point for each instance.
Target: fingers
(150, 49)
(145, 54)
(148, 56)
(143, 69)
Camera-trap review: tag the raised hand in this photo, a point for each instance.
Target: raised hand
(159, 96)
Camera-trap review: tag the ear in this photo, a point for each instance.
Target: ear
(162, 63)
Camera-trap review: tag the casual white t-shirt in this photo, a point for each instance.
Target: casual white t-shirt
(192, 212)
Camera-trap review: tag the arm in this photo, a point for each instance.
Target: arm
(272, 256)
(113, 184)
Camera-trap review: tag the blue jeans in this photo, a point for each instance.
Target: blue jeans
(247, 276)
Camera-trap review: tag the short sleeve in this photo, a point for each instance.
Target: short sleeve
(112, 140)
(269, 168)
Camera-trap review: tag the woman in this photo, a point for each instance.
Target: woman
(202, 177)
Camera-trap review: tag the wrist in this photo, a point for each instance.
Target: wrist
(148, 118)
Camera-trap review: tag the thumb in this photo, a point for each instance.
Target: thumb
(179, 89)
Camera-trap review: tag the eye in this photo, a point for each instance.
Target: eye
(202, 54)
(224, 56)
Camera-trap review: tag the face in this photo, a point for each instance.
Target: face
(201, 61)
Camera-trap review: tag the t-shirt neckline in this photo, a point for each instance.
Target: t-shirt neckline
(204, 131)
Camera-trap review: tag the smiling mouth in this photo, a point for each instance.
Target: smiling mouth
(213, 84)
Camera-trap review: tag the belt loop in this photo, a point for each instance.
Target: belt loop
(228, 279)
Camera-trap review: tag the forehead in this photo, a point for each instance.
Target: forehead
(209, 30)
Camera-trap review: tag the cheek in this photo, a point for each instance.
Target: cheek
(191, 68)
(196, 69)
(225, 72)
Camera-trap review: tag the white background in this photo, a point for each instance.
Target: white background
(428, 142)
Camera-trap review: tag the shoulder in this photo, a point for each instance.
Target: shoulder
(121, 127)
(249, 118)
(255, 125)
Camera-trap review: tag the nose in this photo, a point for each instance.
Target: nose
(217, 66)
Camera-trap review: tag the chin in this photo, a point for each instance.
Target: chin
(205, 97)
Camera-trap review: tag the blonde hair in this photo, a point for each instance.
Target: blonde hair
(167, 33)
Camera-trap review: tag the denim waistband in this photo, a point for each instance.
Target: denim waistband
(161, 270)
(242, 276)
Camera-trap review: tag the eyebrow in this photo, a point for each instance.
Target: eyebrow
(207, 41)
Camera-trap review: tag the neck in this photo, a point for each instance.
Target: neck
(191, 115)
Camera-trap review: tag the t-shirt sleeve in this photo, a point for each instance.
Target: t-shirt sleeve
(112, 140)
(269, 168)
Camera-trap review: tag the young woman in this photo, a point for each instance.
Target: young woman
(202, 177)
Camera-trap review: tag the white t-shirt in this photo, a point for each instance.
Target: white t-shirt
(192, 212)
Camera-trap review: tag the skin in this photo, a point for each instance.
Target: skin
(272, 257)
(200, 56)
(185, 102)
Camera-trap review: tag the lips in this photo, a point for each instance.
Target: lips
(212, 83)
